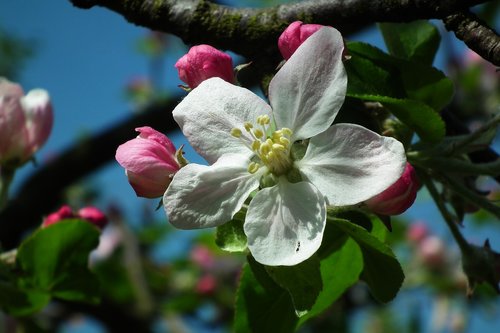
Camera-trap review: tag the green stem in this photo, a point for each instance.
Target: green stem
(471, 196)
(452, 165)
(492, 124)
(448, 218)
(6, 177)
(132, 261)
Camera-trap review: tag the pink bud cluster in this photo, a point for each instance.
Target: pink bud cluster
(430, 249)
(204, 259)
(398, 197)
(149, 161)
(90, 214)
(203, 62)
(25, 122)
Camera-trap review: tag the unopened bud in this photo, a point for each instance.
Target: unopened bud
(398, 197)
(294, 36)
(149, 161)
(203, 62)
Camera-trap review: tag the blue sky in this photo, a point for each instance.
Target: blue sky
(84, 58)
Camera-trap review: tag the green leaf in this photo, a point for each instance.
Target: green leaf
(417, 40)
(382, 272)
(426, 84)
(339, 271)
(402, 79)
(355, 216)
(412, 91)
(114, 280)
(370, 71)
(303, 282)
(18, 302)
(261, 304)
(416, 115)
(54, 260)
(230, 236)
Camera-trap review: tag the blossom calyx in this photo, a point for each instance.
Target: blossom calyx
(149, 161)
(25, 122)
(481, 265)
(203, 62)
(398, 197)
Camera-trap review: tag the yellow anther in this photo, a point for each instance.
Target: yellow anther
(253, 167)
(284, 141)
(265, 120)
(256, 145)
(270, 149)
(286, 131)
(236, 132)
(278, 147)
(258, 133)
(248, 126)
(265, 148)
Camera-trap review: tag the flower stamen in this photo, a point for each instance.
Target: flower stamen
(253, 167)
(272, 149)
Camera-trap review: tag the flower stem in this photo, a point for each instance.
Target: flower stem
(464, 167)
(493, 123)
(448, 218)
(470, 195)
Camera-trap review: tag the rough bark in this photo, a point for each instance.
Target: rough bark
(253, 32)
(476, 34)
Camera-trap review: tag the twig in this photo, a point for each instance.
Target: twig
(253, 32)
(476, 34)
(42, 192)
(447, 216)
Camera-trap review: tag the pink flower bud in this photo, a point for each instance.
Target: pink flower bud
(202, 257)
(64, 212)
(432, 252)
(203, 62)
(149, 162)
(294, 36)
(417, 232)
(25, 122)
(89, 214)
(94, 216)
(206, 284)
(398, 197)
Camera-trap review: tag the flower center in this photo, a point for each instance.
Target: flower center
(273, 150)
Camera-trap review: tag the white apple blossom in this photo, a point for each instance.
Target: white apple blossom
(251, 146)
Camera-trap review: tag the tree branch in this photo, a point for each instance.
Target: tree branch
(476, 34)
(43, 191)
(253, 32)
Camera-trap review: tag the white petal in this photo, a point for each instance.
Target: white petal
(285, 223)
(209, 112)
(349, 163)
(308, 91)
(203, 196)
